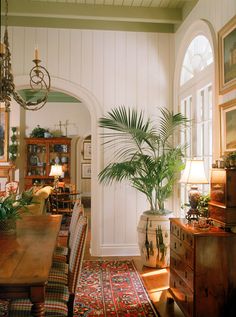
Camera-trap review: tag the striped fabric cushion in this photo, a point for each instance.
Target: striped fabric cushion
(75, 262)
(22, 308)
(59, 258)
(57, 277)
(76, 254)
(61, 250)
(57, 292)
(78, 211)
(60, 266)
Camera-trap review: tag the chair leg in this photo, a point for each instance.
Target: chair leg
(70, 305)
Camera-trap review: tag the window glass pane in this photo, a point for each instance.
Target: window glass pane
(197, 57)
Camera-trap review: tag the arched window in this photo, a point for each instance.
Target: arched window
(195, 100)
(197, 57)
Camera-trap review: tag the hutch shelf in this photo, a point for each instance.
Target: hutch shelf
(41, 153)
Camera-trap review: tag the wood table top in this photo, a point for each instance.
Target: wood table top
(26, 256)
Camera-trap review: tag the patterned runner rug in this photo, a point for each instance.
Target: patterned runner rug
(112, 288)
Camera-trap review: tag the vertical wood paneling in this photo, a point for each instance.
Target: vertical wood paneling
(141, 67)
(87, 60)
(16, 41)
(109, 70)
(164, 82)
(153, 76)
(131, 70)
(120, 69)
(41, 38)
(53, 52)
(64, 54)
(30, 35)
(76, 56)
(98, 65)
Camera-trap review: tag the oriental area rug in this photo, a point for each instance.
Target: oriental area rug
(112, 288)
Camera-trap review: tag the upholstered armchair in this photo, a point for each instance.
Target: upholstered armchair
(40, 197)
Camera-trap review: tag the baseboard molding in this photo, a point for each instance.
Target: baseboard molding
(119, 250)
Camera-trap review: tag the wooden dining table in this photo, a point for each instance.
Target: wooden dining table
(26, 259)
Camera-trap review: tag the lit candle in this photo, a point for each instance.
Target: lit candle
(36, 53)
(2, 48)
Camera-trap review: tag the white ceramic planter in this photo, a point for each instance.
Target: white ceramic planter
(154, 239)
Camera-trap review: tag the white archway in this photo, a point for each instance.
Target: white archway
(95, 110)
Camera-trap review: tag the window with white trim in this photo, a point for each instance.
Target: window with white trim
(195, 100)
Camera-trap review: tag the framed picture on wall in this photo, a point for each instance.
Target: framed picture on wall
(87, 150)
(228, 126)
(227, 56)
(85, 170)
(4, 127)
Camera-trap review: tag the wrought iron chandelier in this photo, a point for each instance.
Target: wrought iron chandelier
(40, 81)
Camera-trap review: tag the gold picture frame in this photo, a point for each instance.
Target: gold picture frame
(87, 150)
(227, 56)
(4, 135)
(86, 170)
(228, 126)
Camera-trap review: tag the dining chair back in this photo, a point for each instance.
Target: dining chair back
(76, 259)
(76, 213)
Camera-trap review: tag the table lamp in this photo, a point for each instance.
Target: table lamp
(193, 174)
(56, 171)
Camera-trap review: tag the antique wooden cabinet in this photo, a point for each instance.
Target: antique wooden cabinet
(41, 153)
(222, 206)
(202, 269)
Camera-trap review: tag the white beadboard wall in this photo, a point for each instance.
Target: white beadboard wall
(114, 68)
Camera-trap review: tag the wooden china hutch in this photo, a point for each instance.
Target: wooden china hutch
(41, 154)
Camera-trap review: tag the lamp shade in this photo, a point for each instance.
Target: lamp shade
(56, 170)
(194, 173)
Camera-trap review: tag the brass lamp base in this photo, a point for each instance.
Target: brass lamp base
(193, 197)
(192, 214)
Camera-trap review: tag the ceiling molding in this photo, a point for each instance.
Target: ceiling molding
(85, 16)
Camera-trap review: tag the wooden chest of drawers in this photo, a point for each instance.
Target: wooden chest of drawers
(202, 270)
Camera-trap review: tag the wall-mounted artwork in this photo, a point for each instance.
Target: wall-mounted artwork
(87, 150)
(227, 56)
(228, 126)
(4, 121)
(86, 170)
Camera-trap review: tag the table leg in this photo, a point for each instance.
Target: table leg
(38, 310)
(37, 297)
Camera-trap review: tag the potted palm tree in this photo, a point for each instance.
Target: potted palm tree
(147, 156)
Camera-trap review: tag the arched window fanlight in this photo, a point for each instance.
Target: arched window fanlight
(197, 57)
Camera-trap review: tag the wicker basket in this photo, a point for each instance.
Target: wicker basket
(7, 226)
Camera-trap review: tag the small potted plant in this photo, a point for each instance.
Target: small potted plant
(11, 208)
(39, 132)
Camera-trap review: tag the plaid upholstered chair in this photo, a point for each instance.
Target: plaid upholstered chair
(59, 277)
(62, 252)
(61, 288)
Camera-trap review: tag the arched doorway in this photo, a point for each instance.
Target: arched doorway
(95, 111)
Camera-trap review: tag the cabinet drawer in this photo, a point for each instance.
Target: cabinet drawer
(183, 250)
(181, 293)
(183, 270)
(175, 229)
(187, 237)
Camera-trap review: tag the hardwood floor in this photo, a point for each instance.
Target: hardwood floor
(155, 281)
